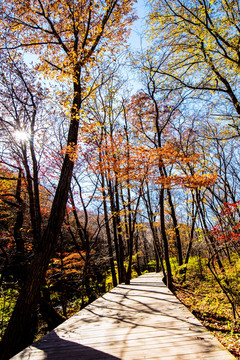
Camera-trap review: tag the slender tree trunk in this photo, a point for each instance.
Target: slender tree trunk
(165, 241)
(37, 209)
(131, 225)
(138, 258)
(147, 257)
(208, 235)
(157, 259)
(79, 226)
(108, 232)
(175, 225)
(156, 244)
(130, 255)
(194, 217)
(19, 218)
(49, 314)
(122, 275)
(36, 235)
(109, 240)
(114, 224)
(158, 253)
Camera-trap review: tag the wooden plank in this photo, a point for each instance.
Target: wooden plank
(143, 320)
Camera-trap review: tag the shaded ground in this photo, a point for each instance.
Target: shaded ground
(209, 305)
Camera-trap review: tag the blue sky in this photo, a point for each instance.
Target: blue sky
(136, 39)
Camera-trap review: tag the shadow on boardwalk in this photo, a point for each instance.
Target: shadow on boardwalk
(52, 347)
(143, 320)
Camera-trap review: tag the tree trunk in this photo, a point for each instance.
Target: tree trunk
(165, 241)
(49, 314)
(122, 275)
(210, 238)
(114, 224)
(19, 218)
(175, 225)
(138, 267)
(21, 327)
(108, 232)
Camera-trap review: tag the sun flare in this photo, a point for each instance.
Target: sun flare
(21, 135)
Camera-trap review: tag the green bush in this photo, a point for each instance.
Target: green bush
(8, 298)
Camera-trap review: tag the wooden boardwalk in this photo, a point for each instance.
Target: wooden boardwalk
(143, 320)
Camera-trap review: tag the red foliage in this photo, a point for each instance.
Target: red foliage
(228, 231)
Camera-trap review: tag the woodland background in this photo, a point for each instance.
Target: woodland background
(117, 159)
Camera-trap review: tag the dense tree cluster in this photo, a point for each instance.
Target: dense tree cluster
(98, 183)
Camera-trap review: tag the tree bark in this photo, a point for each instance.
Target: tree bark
(175, 225)
(165, 241)
(109, 240)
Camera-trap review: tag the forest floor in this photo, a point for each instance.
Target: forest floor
(207, 302)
